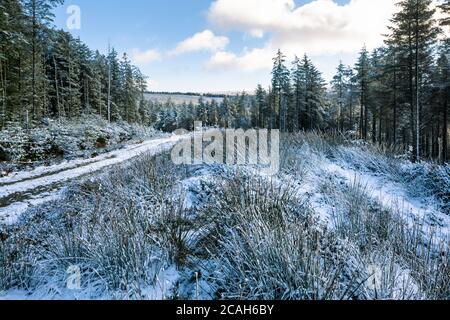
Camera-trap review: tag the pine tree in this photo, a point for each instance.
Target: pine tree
(442, 103)
(298, 75)
(202, 111)
(378, 87)
(362, 68)
(280, 92)
(339, 86)
(351, 97)
(314, 97)
(241, 112)
(40, 12)
(214, 113)
(415, 30)
(141, 87)
(262, 107)
(99, 85)
(13, 61)
(127, 97)
(114, 86)
(225, 113)
(48, 73)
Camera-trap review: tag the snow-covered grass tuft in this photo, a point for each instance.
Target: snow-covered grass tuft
(429, 180)
(405, 258)
(320, 229)
(108, 228)
(270, 245)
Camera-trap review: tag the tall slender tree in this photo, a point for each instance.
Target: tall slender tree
(415, 30)
(362, 68)
(40, 12)
(281, 91)
(339, 86)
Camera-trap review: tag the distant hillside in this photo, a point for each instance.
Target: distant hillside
(179, 97)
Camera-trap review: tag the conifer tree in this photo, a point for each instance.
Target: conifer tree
(280, 92)
(339, 86)
(415, 30)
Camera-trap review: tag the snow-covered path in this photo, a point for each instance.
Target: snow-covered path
(24, 189)
(393, 196)
(379, 187)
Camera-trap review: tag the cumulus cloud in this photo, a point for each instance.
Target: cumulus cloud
(253, 16)
(202, 41)
(144, 57)
(320, 27)
(249, 60)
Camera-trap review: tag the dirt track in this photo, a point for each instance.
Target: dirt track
(24, 189)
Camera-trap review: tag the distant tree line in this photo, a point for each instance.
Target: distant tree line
(193, 94)
(397, 94)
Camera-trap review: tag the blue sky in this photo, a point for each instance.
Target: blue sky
(226, 45)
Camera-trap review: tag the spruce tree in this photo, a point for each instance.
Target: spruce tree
(339, 86)
(281, 92)
(40, 13)
(415, 30)
(362, 68)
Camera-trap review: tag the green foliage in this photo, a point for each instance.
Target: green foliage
(48, 73)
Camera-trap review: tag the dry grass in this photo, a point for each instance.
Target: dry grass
(269, 245)
(252, 237)
(115, 229)
(405, 258)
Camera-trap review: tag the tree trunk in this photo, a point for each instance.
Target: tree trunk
(417, 87)
(109, 85)
(374, 128)
(445, 131)
(351, 110)
(380, 125)
(56, 88)
(366, 120)
(394, 137)
(33, 41)
(3, 86)
(361, 117)
(411, 94)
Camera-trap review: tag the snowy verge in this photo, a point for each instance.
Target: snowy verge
(28, 190)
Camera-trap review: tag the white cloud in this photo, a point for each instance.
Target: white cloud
(249, 60)
(202, 41)
(254, 16)
(144, 57)
(320, 26)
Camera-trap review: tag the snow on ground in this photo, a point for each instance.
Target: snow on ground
(165, 283)
(10, 214)
(393, 196)
(25, 189)
(46, 170)
(161, 290)
(380, 187)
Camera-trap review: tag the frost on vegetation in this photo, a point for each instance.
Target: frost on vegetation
(56, 140)
(153, 230)
(427, 183)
